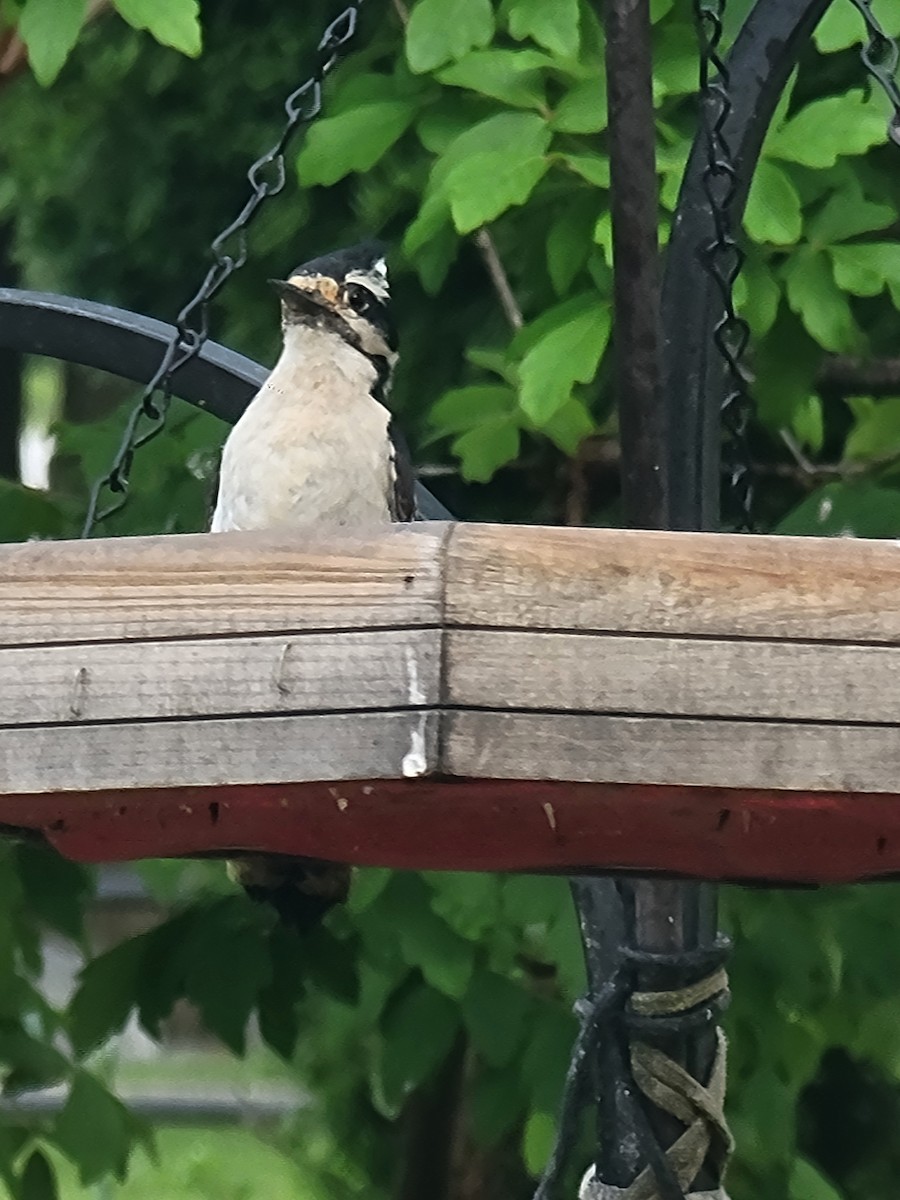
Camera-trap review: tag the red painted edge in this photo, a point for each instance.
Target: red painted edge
(488, 825)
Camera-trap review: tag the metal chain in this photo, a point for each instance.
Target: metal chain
(881, 56)
(723, 256)
(229, 251)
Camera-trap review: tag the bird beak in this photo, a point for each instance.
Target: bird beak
(308, 292)
(284, 288)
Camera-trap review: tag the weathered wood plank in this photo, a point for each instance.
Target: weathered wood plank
(799, 681)
(678, 752)
(208, 753)
(117, 681)
(716, 585)
(201, 585)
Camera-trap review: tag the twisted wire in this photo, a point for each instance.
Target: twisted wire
(723, 258)
(229, 252)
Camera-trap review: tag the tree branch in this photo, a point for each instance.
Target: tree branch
(841, 375)
(483, 239)
(499, 278)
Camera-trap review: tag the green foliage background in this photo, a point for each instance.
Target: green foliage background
(453, 117)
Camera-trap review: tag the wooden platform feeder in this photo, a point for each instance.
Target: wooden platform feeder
(462, 697)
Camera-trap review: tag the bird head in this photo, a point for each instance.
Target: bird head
(346, 292)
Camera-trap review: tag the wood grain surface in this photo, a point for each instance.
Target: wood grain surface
(584, 666)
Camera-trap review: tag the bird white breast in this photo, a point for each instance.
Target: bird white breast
(312, 447)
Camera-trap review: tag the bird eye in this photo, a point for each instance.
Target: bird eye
(358, 297)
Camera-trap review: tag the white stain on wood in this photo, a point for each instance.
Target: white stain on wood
(415, 761)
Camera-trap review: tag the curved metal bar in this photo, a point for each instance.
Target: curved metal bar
(130, 346)
(764, 54)
(124, 344)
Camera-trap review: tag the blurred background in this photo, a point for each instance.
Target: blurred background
(416, 1046)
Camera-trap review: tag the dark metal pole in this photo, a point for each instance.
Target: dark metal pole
(635, 215)
(11, 366)
(760, 63)
(660, 916)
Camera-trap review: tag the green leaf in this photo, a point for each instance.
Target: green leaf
(174, 23)
(484, 450)
(774, 211)
(434, 258)
(569, 353)
(758, 295)
(592, 167)
(825, 130)
(842, 25)
(12, 1140)
(846, 214)
(786, 362)
(877, 433)
(553, 26)
(327, 963)
(773, 1109)
(808, 1183)
(855, 509)
(513, 76)
(535, 899)
(94, 1130)
(447, 118)
(26, 513)
(537, 1142)
(444, 958)
(38, 1179)
(32, 1063)
(521, 136)
(352, 141)
(603, 237)
(676, 71)
(484, 186)
(809, 424)
(468, 901)
(583, 108)
(465, 408)
(368, 884)
(50, 28)
(569, 241)
(498, 143)
(670, 163)
(161, 978)
(866, 269)
(106, 995)
(496, 1012)
(441, 31)
(226, 966)
(429, 225)
(564, 940)
(496, 1104)
(569, 425)
(492, 360)
(823, 308)
(358, 91)
(279, 1024)
(418, 1030)
(55, 889)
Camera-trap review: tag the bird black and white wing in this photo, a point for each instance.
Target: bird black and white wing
(402, 494)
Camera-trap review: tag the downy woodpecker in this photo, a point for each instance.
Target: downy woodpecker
(315, 448)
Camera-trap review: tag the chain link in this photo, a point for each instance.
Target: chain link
(229, 251)
(881, 56)
(724, 258)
